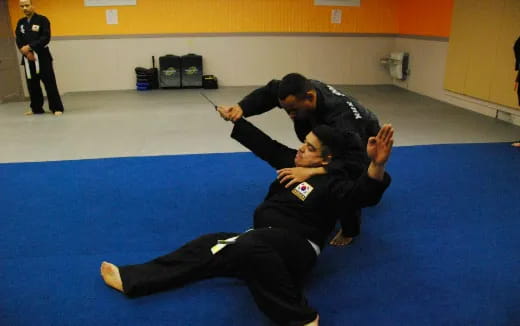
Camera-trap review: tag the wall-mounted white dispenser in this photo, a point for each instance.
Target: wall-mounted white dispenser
(397, 63)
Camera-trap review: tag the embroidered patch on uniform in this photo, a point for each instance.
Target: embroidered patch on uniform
(35, 28)
(302, 190)
(22, 29)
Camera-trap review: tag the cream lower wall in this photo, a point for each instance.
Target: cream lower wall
(427, 68)
(108, 64)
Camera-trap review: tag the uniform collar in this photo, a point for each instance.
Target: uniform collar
(320, 103)
(32, 17)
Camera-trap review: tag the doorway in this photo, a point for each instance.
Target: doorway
(10, 78)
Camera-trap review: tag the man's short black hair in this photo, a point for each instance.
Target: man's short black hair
(294, 84)
(345, 146)
(337, 142)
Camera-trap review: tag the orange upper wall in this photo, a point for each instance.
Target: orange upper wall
(425, 17)
(71, 18)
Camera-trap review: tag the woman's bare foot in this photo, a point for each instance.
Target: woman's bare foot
(315, 322)
(110, 274)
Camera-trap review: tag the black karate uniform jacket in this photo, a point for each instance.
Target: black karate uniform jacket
(311, 208)
(516, 49)
(36, 34)
(334, 109)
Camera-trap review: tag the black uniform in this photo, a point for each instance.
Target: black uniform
(516, 49)
(290, 228)
(334, 109)
(37, 34)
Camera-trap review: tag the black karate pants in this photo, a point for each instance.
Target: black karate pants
(272, 262)
(352, 225)
(518, 88)
(48, 78)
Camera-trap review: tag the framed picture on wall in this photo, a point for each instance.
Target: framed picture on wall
(109, 3)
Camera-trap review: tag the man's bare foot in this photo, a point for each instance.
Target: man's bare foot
(58, 113)
(517, 144)
(340, 240)
(28, 113)
(110, 274)
(315, 322)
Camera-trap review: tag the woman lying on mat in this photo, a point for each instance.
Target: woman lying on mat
(290, 226)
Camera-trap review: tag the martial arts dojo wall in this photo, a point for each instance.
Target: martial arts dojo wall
(480, 55)
(107, 64)
(243, 42)
(246, 43)
(428, 59)
(430, 67)
(72, 18)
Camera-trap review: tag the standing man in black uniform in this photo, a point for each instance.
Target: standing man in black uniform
(290, 227)
(33, 34)
(516, 49)
(309, 103)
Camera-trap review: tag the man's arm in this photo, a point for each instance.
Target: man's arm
(350, 166)
(24, 48)
(261, 100)
(45, 35)
(368, 189)
(19, 37)
(277, 155)
(516, 49)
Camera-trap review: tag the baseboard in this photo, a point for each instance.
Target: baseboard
(497, 111)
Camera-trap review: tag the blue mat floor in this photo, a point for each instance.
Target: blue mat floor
(442, 248)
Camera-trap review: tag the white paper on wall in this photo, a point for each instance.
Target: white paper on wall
(112, 17)
(335, 16)
(350, 3)
(109, 3)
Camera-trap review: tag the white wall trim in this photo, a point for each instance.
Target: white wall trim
(245, 34)
(494, 110)
(249, 34)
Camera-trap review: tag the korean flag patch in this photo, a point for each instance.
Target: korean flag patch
(35, 28)
(302, 190)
